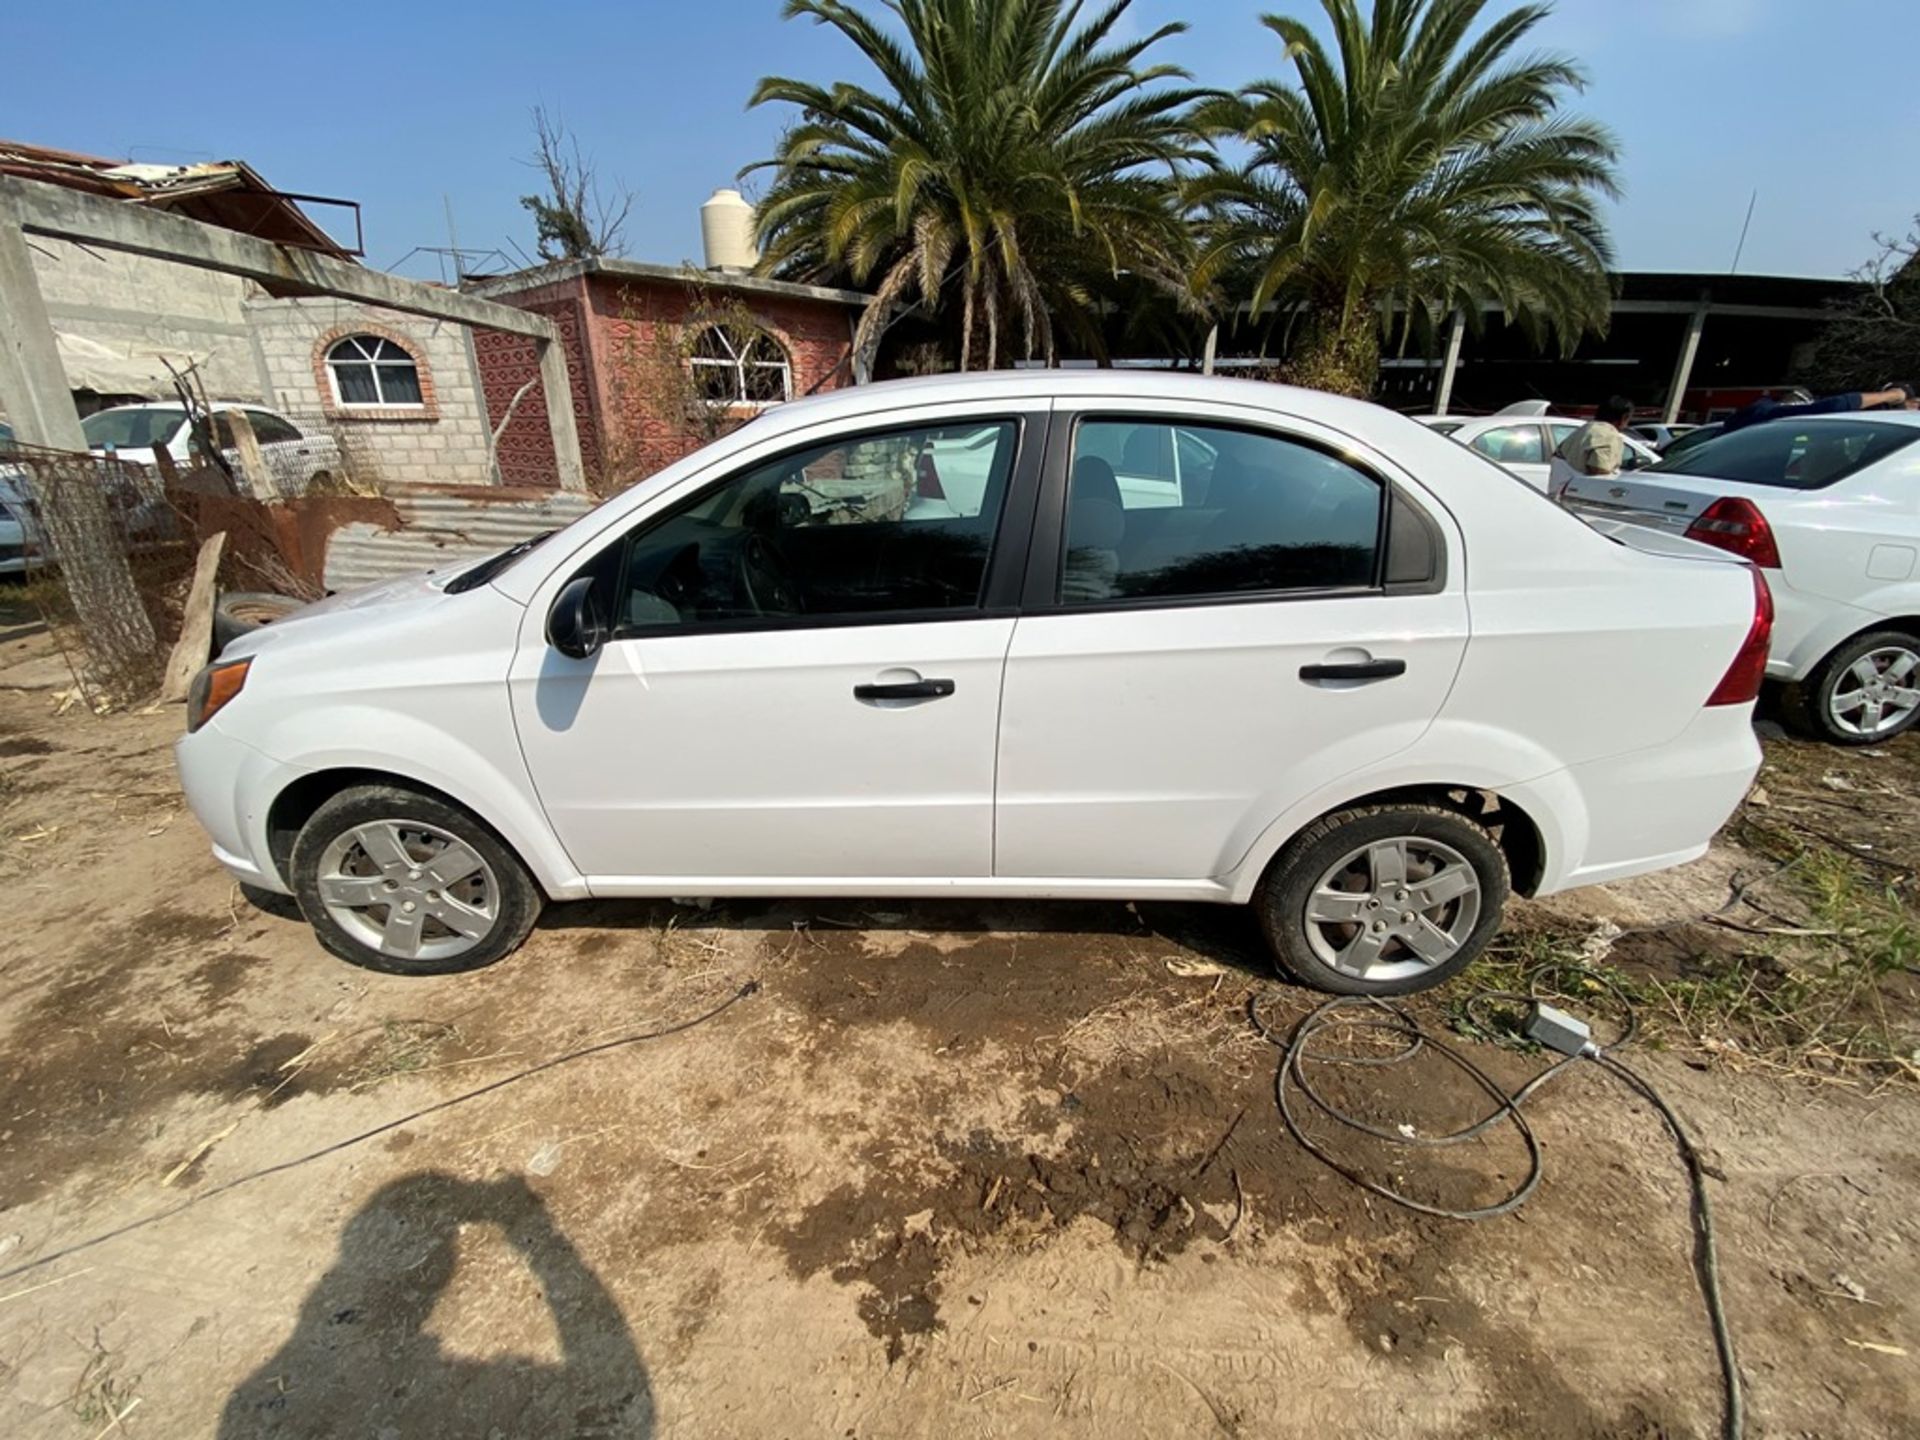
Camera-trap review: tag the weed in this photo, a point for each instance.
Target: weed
(403, 1047)
(101, 1395)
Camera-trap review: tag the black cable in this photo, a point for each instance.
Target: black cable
(1706, 1254)
(750, 988)
(1297, 1050)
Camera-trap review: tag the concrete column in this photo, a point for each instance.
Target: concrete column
(1683, 366)
(33, 383)
(558, 393)
(1452, 363)
(1213, 345)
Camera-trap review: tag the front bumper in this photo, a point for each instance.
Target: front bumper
(228, 785)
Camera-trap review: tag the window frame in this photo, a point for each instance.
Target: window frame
(741, 400)
(382, 405)
(1007, 557)
(1047, 550)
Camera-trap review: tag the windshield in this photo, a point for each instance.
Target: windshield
(1793, 454)
(139, 428)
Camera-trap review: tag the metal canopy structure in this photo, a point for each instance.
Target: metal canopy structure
(33, 384)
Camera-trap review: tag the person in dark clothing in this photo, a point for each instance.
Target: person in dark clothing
(1893, 396)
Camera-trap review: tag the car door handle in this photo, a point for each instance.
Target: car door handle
(1354, 670)
(908, 690)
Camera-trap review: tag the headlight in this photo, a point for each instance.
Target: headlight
(212, 688)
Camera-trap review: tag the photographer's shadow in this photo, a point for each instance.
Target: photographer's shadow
(361, 1364)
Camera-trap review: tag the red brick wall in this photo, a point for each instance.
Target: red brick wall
(618, 334)
(637, 328)
(507, 362)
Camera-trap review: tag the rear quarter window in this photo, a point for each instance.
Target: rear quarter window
(1791, 454)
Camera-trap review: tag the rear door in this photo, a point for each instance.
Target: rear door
(1181, 674)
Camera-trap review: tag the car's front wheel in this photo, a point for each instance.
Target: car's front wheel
(1865, 692)
(1383, 899)
(395, 880)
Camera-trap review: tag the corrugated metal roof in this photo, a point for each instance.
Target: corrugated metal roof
(441, 531)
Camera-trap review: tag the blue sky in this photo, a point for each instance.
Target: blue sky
(401, 104)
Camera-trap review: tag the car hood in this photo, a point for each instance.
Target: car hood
(343, 610)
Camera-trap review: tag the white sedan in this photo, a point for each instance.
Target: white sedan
(1524, 444)
(1331, 682)
(1829, 507)
(133, 433)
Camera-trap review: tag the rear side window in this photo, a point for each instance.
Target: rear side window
(1242, 513)
(1792, 454)
(1512, 445)
(271, 429)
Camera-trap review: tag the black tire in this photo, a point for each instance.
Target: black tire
(240, 612)
(1290, 883)
(517, 898)
(1809, 706)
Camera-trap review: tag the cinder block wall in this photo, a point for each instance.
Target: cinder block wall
(443, 442)
(135, 304)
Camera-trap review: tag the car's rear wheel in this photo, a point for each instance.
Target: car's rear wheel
(394, 880)
(1383, 899)
(1867, 691)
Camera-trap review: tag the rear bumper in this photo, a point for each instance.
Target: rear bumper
(1653, 808)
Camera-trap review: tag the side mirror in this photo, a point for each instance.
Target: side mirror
(575, 626)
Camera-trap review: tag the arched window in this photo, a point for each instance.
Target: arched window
(372, 370)
(739, 365)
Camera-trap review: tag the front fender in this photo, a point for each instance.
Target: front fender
(414, 749)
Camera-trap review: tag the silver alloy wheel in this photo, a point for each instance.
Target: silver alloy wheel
(1878, 693)
(1394, 908)
(408, 889)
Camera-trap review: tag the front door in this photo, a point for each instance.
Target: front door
(804, 676)
(1192, 671)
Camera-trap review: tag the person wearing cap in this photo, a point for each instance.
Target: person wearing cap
(1598, 447)
(1900, 396)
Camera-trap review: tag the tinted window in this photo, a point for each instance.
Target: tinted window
(1444, 427)
(1269, 514)
(271, 429)
(131, 429)
(893, 522)
(1796, 454)
(1511, 445)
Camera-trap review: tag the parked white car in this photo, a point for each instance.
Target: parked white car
(1829, 507)
(1524, 444)
(19, 538)
(1347, 681)
(133, 433)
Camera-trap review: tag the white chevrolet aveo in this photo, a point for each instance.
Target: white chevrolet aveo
(1331, 664)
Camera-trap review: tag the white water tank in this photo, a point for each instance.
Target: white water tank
(726, 232)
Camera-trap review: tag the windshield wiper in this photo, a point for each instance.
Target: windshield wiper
(491, 566)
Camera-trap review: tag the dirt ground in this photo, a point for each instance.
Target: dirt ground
(954, 1169)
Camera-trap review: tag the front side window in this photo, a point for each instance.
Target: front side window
(1793, 454)
(1254, 513)
(896, 522)
(372, 371)
(1511, 445)
(739, 365)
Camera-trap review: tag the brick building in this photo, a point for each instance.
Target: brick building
(661, 359)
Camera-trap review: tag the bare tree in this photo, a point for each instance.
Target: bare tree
(1874, 339)
(574, 218)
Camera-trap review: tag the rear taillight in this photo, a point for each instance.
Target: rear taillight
(928, 486)
(1741, 683)
(1737, 526)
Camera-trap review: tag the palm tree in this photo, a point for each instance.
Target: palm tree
(1418, 172)
(1013, 161)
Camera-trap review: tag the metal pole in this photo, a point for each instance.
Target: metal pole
(1452, 363)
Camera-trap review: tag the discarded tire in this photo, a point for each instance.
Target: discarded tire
(239, 612)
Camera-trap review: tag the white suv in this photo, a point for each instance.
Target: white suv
(1829, 506)
(1343, 678)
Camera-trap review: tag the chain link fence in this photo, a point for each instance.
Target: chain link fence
(107, 561)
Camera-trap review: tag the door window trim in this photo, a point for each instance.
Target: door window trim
(1006, 558)
(1047, 550)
